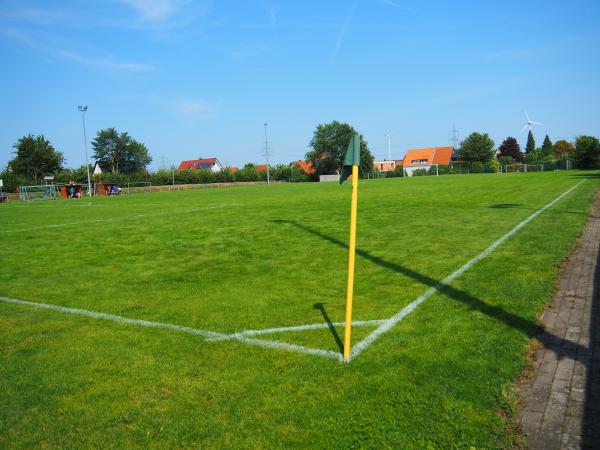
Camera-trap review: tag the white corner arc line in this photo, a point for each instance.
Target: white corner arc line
(388, 324)
(209, 335)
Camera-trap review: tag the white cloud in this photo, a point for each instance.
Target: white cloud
(203, 108)
(106, 63)
(249, 51)
(154, 10)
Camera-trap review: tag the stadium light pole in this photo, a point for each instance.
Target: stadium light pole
(83, 109)
(267, 153)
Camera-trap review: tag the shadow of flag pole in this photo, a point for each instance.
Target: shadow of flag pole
(351, 163)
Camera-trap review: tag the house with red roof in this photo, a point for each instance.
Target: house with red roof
(305, 166)
(424, 158)
(211, 164)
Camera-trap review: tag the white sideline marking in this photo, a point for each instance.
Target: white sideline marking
(210, 335)
(392, 321)
(315, 326)
(108, 219)
(113, 317)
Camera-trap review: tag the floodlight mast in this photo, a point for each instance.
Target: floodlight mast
(83, 109)
(267, 153)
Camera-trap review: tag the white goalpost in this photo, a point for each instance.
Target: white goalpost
(137, 187)
(512, 168)
(429, 169)
(39, 192)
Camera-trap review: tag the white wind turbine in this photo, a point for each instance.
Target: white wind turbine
(529, 123)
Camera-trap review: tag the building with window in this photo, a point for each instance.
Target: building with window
(211, 164)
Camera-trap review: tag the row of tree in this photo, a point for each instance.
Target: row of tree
(479, 147)
(35, 157)
(123, 158)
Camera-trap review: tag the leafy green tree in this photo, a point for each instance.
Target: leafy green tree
(119, 152)
(329, 145)
(530, 147)
(534, 157)
(477, 147)
(547, 147)
(35, 158)
(506, 160)
(587, 152)
(563, 149)
(510, 148)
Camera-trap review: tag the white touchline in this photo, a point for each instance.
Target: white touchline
(388, 324)
(211, 335)
(109, 219)
(112, 317)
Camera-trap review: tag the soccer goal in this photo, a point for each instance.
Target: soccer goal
(137, 187)
(511, 168)
(413, 171)
(39, 192)
(534, 168)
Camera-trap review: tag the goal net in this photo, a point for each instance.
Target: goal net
(137, 187)
(534, 168)
(39, 192)
(413, 171)
(523, 168)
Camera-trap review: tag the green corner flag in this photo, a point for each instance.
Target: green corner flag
(352, 157)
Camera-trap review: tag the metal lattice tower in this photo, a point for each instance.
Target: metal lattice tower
(453, 139)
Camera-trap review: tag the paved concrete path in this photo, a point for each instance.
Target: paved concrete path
(562, 400)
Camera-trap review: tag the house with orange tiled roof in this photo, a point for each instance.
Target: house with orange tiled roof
(305, 166)
(424, 158)
(211, 164)
(261, 167)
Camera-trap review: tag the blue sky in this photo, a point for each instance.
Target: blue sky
(200, 78)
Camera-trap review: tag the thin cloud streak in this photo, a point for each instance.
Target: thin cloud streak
(105, 63)
(344, 28)
(154, 10)
(201, 108)
(395, 5)
(139, 15)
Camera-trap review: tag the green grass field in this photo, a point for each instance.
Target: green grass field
(266, 257)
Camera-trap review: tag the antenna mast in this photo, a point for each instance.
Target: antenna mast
(267, 154)
(389, 146)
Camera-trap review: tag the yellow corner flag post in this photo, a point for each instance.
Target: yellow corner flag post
(352, 160)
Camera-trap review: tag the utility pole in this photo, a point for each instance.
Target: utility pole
(83, 109)
(267, 154)
(389, 146)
